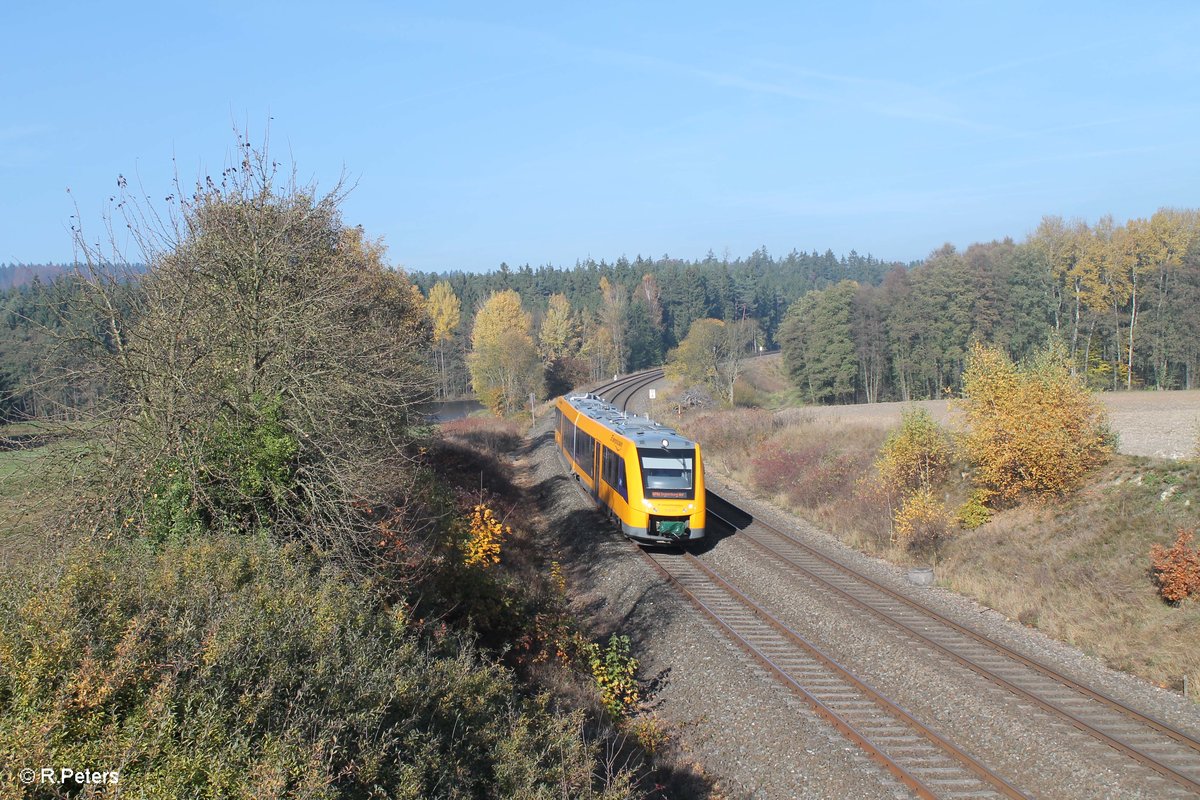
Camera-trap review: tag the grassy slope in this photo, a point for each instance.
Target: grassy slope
(23, 506)
(1079, 569)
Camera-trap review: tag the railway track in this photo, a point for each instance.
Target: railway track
(925, 761)
(1171, 753)
(912, 752)
(622, 390)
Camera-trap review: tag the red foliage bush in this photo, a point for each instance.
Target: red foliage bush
(1176, 569)
(810, 474)
(733, 434)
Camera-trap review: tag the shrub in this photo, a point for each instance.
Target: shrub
(1176, 569)
(916, 455)
(1034, 429)
(747, 396)
(974, 512)
(615, 674)
(811, 465)
(484, 533)
(731, 436)
(774, 468)
(232, 667)
(268, 371)
(922, 521)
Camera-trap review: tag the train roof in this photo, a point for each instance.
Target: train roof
(639, 430)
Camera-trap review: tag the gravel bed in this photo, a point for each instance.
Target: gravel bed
(748, 733)
(1042, 755)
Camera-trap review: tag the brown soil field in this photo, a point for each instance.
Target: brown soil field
(1160, 424)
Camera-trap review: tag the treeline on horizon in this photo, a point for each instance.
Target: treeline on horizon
(1124, 300)
(628, 314)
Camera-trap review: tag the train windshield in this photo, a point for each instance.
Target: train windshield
(668, 473)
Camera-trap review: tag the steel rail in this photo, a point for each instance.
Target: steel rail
(1166, 770)
(630, 387)
(924, 786)
(609, 385)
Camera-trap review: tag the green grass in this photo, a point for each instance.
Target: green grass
(28, 497)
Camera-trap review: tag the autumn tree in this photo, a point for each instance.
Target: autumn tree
(740, 337)
(559, 346)
(504, 363)
(266, 375)
(696, 361)
(445, 311)
(613, 318)
(1033, 429)
(558, 337)
(1170, 237)
(1059, 244)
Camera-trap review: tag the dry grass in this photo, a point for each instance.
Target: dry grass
(816, 468)
(762, 384)
(1079, 569)
(1076, 568)
(485, 432)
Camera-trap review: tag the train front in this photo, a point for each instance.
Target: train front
(672, 490)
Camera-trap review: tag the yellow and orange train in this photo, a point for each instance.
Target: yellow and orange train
(648, 477)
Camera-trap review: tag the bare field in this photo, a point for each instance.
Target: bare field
(1160, 424)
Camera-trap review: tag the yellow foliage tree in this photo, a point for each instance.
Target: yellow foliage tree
(558, 336)
(614, 319)
(915, 456)
(698, 357)
(446, 311)
(1034, 429)
(922, 520)
(504, 364)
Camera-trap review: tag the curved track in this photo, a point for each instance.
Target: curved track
(923, 760)
(621, 391)
(918, 756)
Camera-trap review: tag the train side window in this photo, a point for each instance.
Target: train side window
(586, 454)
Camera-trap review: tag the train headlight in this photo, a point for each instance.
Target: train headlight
(691, 506)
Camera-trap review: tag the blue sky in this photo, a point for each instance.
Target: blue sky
(546, 133)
